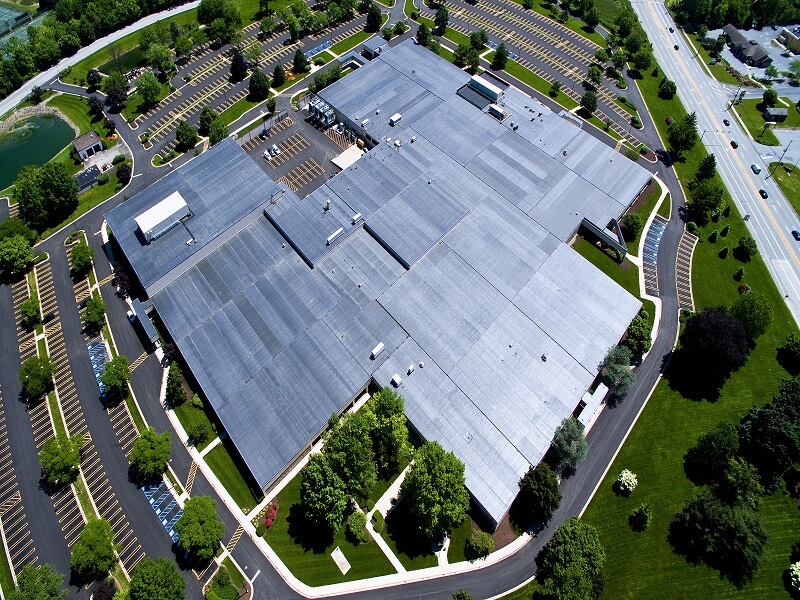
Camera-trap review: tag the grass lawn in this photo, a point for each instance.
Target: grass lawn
(236, 576)
(788, 179)
(409, 7)
(351, 42)
(77, 73)
(540, 84)
(573, 24)
(189, 415)
(644, 213)
(446, 54)
(232, 476)
(77, 110)
(750, 113)
(458, 537)
(237, 109)
(324, 56)
(627, 105)
(302, 548)
(129, 60)
(664, 209)
(135, 105)
(6, 579)
(406, 541)
(718, 70)
(643, 565)
(451, 34)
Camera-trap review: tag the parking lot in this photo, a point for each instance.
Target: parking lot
(303, 161)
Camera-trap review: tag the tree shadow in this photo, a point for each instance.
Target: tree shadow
(691, 380)
(787, 361)
(307, 534)
(407, 537)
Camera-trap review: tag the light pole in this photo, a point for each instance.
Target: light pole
(780, 160)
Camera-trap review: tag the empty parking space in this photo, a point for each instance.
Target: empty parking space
(271, 129)
(288, 149)
(302, 175)
(683, 271)
(20, 549)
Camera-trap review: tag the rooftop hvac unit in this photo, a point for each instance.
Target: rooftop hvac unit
(364, 123)
(483, 87)
(376, 351)
(497, 112)
(396, 380)
(356, 218)
(333, 236)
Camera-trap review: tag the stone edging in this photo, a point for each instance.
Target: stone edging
(39, 109)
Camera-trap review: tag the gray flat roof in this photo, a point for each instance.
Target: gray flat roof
(458, 261)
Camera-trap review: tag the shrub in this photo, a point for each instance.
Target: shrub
(713, 237)
(640, 518)
(261, 529)
(357, 526)
(270, 514)
(319, 61)
(400, 28)
(103, 179)
(626, 481)
(670, 120)
(794, 575)
(725, 230)
(726, 212)
(378, 523)
(644, 150)
(415, 14)
(478, 545)
(724, 252)
(739, 274)
(197, 401)
(691, 227)
(198, 433)
(387, 33)
(118, 159)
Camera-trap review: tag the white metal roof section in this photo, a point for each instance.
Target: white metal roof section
(158, 219)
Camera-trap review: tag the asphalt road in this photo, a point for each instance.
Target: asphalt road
(772, 220)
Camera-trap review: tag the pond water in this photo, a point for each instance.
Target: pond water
(31, 141)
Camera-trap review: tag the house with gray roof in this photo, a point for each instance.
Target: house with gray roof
(438, 262)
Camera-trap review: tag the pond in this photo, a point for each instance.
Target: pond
(31, 141)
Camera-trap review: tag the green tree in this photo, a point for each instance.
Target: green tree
(789, 353)
(435, 45)
(238, 66)
(175, 394)
(322, 493)
(198, 434)
(570, 566)
(46, 194)
(434, 490)
(16, 255)
(300, 62)
(423, 35)
(569, 444)
(149, 88)
(478, 545)
(500, 57)
(93, 553)
(667, 89)
(348, 446)
(160, 58)
(267, 26)
(619, 59)
(207, 116)
(478, 39)
(36, 376)
(728, 538)
(157, 579)
(539, 495)
(705, 196)
(631, 227)
(389, 433)
(199, 529)
(116, 374)
(682, 135)
(592, 17)
(708, 459)
(115, 87)
(38, 582)
(259, 85)
(373, 18)
(755, 312)
(595, 74)
(638, 338)
(217, 132)
(771, 72)
(441, 19)
(186, 136)
(278, 76)
(150, 454)
(157, 33)
(183, 45)
(80, 258)
(642, 59)
(466, 56)
(714, 343)
(30, 311)
(615, 371)
(462, 594)
(601, 55)
(555, 88)
(739, 484)
(770, 98)
(707, 168)
(589, 102)
(60, 458)
(640, 518)
(13, 226)
(769, 440)
(94, 316)
(746, 248)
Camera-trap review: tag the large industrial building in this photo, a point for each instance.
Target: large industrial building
(437, 262)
